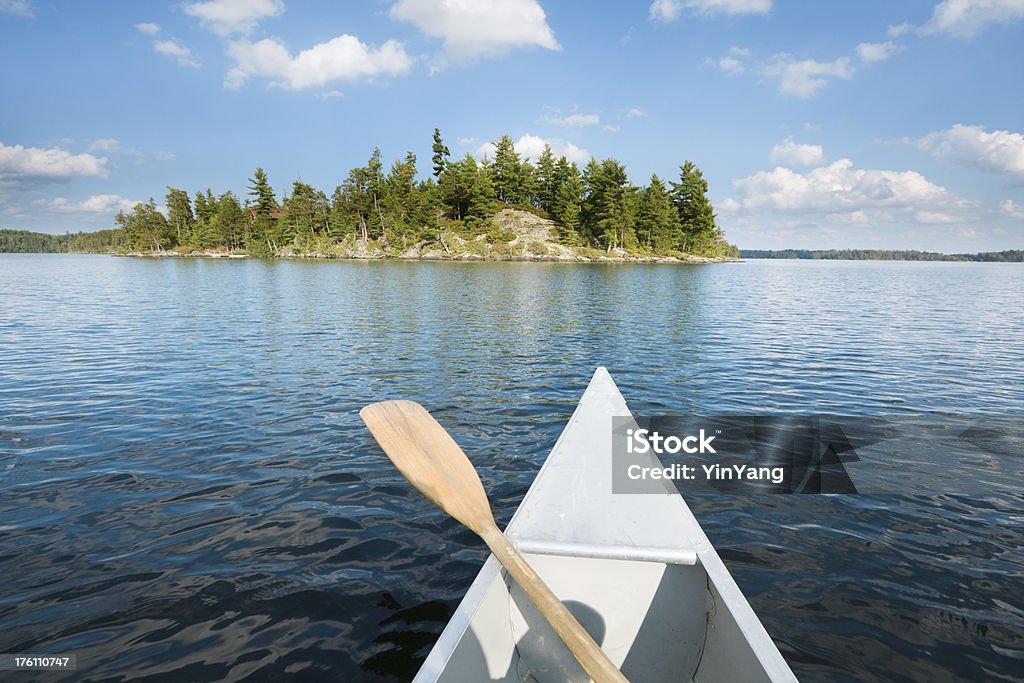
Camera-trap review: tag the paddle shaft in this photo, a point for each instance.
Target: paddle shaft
(587, 652)
(430, 459)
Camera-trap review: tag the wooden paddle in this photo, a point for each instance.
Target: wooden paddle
(430, 459)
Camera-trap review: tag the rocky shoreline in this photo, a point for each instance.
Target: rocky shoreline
(532, 239)
(690, 260)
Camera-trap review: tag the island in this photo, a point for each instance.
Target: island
(505, 208)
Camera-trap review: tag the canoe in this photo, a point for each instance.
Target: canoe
(637, 571)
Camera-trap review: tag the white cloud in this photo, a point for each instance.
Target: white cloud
(100, 203)
(1000, 151)
(790, 152)
(636, 113)
(875, 52)
(226, 17)
(532, 146)
(900, 30)
(331, 94)
(935, 217)
(477, 28)
(967, 18)
(841, 188)
(149, 28)
(467, 141)
(572, 120)
(19, 8)
(1011, 209)
(804, 78)
(729, 65)
(181, 54)
(610, 127)
(667, 11)
(105, 145)
(18, 162)
(342, 58)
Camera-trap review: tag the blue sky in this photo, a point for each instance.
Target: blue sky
(818, 124)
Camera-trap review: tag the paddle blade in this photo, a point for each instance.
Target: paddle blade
(430, 459)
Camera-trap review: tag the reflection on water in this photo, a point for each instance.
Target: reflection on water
(188, 491)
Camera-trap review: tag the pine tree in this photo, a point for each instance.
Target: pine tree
(231, 220)
(510, 180)
(179, 213)
(657, 223)
(547, 179)
(262, 194)
(441, 154)
(699, 232)
(568, 198)
(482, 202)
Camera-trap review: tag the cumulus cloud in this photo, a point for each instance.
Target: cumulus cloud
(531, 147)
(967, 18)
(149, 28)
(790, 152)
(1012, 209)
(636, 113)
(181, 54)
(875, 52)
(574, 119)
(19, 8)
(99, 203)
(18, 162)
(227, 17)
(478, 28)
(841, 188)
(667, 11)
(800, 77)
(999, 151)
(343, 58)
(804, 78)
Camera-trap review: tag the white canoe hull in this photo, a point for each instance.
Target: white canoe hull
(636, 570)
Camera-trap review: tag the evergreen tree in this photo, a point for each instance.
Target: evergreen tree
(546, 176)
(179, 213)
(399, 186)
(231, 220)
(441, 154)
(482, 201)
(262, 194)
(457, 183)
(609, 206)
(657, 223)
(510, 181)
(569, 197)
(145, 228)
(697, 224)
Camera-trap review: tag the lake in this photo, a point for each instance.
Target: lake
(189, 494)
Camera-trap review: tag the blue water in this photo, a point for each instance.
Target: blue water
(188, 493)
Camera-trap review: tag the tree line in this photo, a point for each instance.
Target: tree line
(1011, 255)
(593, 206)
(26, 242)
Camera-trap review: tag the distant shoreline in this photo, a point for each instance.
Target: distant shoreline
(1006, 256)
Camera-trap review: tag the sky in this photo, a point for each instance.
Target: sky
(861, 124)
